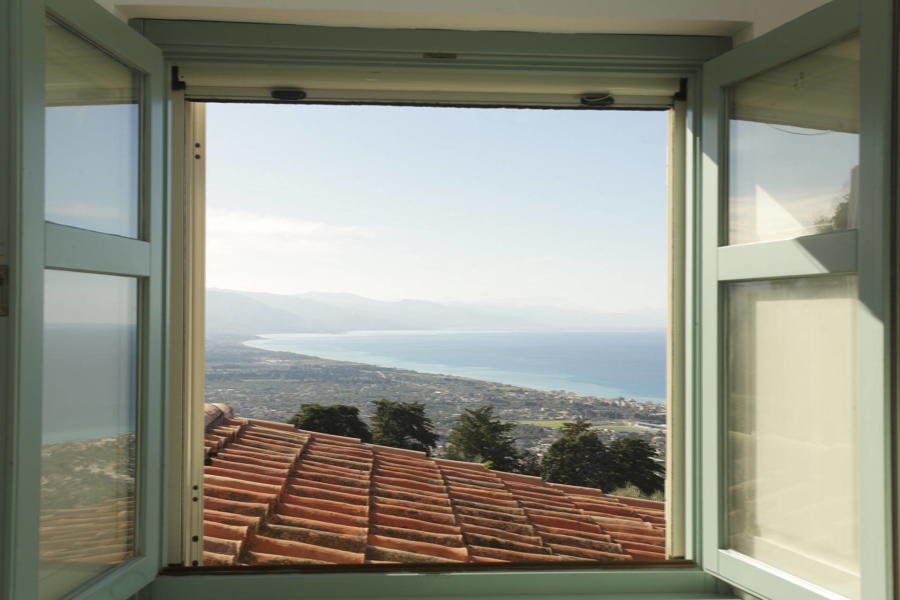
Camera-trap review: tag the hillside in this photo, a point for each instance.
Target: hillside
(272, 385)
(252, 313)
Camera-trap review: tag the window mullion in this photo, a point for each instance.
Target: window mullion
(877, 297)
(800, 289)
(76, 249)
(21, 97)
(808, 255)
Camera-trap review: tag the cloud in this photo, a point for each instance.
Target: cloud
(263, 235)
(248, 250)
(245, 223)
(782, 214)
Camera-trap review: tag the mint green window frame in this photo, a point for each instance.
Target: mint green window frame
(864, 251)
(25, 241)
(33, 245)
(196, 43)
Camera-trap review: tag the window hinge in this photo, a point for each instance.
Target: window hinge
(177, 82)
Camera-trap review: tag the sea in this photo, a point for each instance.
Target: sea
(89, 381)
(605, 364)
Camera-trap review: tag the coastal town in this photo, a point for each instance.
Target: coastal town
(272, 385)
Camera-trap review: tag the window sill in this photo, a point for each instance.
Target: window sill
(673, 580)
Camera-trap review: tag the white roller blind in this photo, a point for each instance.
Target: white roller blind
(792, 468)
(80, 74)
(816, 91)
(446, 84)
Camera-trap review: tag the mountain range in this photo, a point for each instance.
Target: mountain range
(251, 313)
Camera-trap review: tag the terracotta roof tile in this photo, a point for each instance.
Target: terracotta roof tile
(276, 495)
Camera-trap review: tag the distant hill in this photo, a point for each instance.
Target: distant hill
(237, 312)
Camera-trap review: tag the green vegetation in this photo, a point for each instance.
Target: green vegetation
(550, 424)
(403, 425)
(272, 385)
(277, 386)
(559, 424)
(337, 419)
(579, 457)
(838, 220)
(632, 491)
(632, 463)
(621, 428)
(85, 473)
(478, 436)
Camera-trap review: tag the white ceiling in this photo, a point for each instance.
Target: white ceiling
(741, 19)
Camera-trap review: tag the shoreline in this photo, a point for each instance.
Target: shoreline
(497, 376)
(273, 384)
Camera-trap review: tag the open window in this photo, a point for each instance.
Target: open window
(450, 79)
(800, 302)
(88, 305)
(792, 314)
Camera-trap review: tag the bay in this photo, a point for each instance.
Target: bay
(606, 364)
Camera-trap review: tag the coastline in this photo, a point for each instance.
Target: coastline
(272, 385)
(360, 347)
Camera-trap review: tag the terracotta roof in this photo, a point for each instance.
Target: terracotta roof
(100, 533)
(276, 495)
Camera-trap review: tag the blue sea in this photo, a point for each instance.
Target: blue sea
(90, 381)
(606, 364)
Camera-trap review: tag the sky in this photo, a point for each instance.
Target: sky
(491, 206)
(783, 179)
(86, 145)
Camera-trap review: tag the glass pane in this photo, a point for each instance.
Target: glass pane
(794, 148)
(92, 136)
(791, 406)
(88, 433)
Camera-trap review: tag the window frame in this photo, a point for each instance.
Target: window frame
(22, 231)
(865, 251)
(35, 245)
(660, 56)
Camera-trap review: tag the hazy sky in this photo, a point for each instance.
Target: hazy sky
(532, 206)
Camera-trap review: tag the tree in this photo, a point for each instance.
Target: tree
(529, 464)
(478, 436)
(337, 419)
(575, 428)
(578, 457)
(403, 425)
(839, 218)
(632, 463)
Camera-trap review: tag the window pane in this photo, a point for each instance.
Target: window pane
(92, 136)
(791, 409)
(794, 148)
(88, 434)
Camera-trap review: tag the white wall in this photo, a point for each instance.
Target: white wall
(742, 19)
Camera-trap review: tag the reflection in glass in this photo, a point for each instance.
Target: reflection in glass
(791, 410)
(88, 432)
(794, 148)
(92, 136)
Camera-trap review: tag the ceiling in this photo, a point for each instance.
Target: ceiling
(740, 19)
